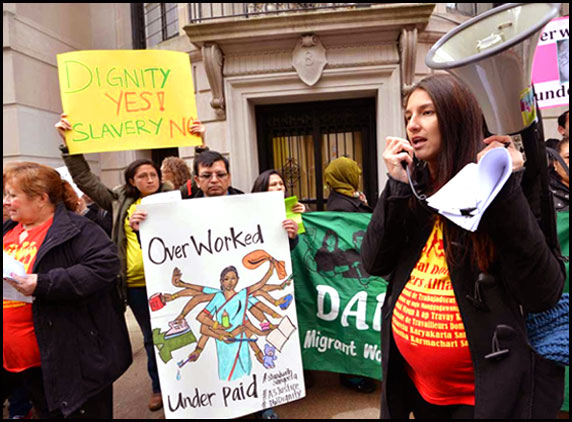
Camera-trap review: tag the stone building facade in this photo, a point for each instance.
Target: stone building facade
(247, 59)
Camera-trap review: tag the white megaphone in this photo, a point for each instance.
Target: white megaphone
(493, 53)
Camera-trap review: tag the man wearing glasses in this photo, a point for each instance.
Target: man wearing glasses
(212, 175)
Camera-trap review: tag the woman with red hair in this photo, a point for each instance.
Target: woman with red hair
(65, 337)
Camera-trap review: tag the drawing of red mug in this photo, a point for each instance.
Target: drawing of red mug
(156, 302)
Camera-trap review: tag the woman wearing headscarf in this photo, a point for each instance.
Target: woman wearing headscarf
(342, 177)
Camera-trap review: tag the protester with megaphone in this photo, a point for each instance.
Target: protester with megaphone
(454, 342)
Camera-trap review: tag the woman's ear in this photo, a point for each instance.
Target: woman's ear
(44, 200)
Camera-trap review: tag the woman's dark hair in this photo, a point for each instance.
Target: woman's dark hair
(461, 126)
(562, 119)
(460, 122)
(560, 146)
(225, 271)
(207, 159)
(262, 181)
(130, 190)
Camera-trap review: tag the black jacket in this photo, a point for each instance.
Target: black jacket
(560, 191)
(527, 276)
(189, 189)
(231, 191)
(99, 216)
(81, 331)
(340, 202)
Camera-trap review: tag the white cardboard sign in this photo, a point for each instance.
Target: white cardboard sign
(221, 295)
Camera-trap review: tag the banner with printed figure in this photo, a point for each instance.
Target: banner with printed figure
(121, 100)
(339, 303)
(221, 294)
(551, 68)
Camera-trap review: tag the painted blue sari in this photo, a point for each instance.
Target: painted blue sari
(234, 359)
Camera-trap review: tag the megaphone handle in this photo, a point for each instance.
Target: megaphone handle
(535, 182)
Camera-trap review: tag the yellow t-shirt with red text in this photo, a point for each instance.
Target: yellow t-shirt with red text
(20, 346)
(429, 332)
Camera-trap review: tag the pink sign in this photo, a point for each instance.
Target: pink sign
(550, 70)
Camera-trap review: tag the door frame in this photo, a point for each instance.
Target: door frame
(244, 92)
(317, 112)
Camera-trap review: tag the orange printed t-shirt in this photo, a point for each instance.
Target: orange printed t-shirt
(429, 332)
(20, 346)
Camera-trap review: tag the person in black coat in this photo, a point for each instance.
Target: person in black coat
(559, 179)
(95, 213)
(454, 341)
(71, 343)
(342, 177)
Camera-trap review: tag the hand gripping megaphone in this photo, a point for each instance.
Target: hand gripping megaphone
(493, 54)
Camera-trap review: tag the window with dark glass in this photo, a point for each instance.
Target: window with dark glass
(154, 23)
(470, 9)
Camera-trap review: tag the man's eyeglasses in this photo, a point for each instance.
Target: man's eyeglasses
(208, 176)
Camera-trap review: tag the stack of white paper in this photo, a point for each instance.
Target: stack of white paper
(65, 174)
(162, 197)
(11, 266)
(465, 197)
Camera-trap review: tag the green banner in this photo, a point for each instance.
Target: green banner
(563, 226)
(339, 304)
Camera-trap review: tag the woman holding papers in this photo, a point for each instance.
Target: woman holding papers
(454, 342)
(272, 181)
(142, 178)
(69, 344)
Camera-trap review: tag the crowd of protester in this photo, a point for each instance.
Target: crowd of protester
(83, 261)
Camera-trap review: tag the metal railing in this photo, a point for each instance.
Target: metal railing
(201, 12)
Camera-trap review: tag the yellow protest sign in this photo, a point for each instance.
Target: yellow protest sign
(127, 99)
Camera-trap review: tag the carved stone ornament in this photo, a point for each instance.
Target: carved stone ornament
(408, 50)
(309, 59)
(213, 59)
